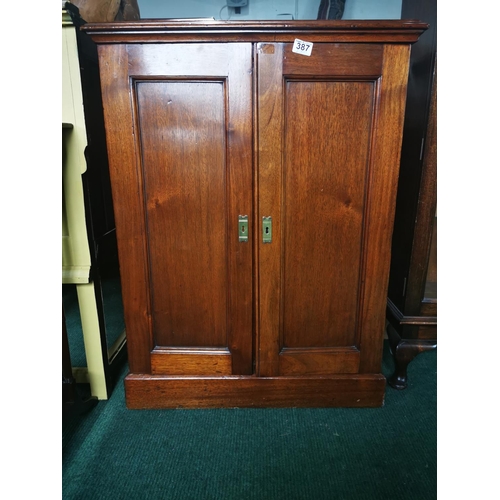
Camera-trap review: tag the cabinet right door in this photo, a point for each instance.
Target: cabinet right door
(329, 135)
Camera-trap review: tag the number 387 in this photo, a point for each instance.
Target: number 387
(302, 46)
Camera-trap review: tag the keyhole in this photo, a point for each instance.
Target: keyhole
(267, 230)
(242, 229)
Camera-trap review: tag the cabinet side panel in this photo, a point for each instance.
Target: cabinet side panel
(128, 203)
(327, 140)
(182, 126)
(384, 170)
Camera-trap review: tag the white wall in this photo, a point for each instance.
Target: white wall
(266, 9)
(372, 9)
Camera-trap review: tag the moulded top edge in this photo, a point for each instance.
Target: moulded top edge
(207, 26)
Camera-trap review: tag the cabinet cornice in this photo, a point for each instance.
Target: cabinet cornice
(166, 30)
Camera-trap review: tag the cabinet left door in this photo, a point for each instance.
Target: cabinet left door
(179, 130)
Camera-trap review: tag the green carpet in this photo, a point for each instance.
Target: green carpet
(352, 454)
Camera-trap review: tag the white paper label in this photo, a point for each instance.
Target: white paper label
(301, 47)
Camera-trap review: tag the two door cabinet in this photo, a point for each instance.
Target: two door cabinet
(254, 168)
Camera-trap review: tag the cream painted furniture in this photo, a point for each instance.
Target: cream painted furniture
(76, 259)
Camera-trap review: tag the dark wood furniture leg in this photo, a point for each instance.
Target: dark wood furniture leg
(404, 351)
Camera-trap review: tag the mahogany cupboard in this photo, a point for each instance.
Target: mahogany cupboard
(254, 191)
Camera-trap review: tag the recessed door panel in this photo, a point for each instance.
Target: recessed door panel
(183, 146)
(327, 132)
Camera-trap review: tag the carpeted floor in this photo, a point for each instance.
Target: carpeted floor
(235, 454)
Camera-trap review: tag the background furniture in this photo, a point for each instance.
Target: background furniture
(412, 295)
(331, 9)
(254, 190)
(108, 10)
(89, 255)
